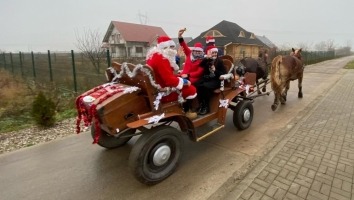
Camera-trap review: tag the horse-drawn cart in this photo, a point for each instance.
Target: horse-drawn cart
(130, 105)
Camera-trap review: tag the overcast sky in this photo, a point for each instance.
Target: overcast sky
(40, 25)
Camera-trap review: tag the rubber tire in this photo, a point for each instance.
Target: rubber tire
(140, 158)
(239, 110)
(108, 141)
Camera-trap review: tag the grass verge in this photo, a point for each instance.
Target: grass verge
(349, 65)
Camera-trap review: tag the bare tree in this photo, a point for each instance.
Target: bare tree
(304, 46)
(321, 46)
(349, 44)
(330, 45)
(284, 47)
(89, 42)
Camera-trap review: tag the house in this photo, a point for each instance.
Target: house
(130, 40)
(266, 41)
(233, 40)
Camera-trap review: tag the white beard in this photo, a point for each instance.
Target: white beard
(170, 54)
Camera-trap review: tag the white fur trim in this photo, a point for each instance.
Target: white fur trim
(210, 40)
(213, 49)
(180, 83)
(165, 44)
(192, 96)
(197, 49)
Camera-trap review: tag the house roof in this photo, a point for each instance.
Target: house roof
(135, 32)
(229, 34)
(186, 40)
(266, 41)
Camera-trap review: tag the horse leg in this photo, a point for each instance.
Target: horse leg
(258, 90)
(264, 88)
(285, 93)
(276, 100)
(300, 87)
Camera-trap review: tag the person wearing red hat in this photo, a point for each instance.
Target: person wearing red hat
(192, 69)
(213, 68)
(210, 43)
(210, 40)
(162, 60)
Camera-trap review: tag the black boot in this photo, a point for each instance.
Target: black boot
(204, 108)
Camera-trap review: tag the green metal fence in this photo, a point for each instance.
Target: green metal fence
(73, 72)
(311, 57)
(67, 70)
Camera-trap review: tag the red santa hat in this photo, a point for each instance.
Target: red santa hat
(211, 48)
(198, 47)
(209, 39)
(165, 41)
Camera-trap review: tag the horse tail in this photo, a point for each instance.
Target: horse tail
(275, 72)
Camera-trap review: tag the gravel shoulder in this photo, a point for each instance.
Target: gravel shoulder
(14, 140)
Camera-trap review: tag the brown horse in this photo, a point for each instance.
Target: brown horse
(285, 69)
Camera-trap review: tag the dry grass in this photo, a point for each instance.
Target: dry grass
(14, 93)
(349, 65)
(15, 102)
(17, 96)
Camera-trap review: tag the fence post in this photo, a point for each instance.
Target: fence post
(21, 65)
(108, 58)
(12, 64)
(50, 67)
(74, 69)
(33, 68)
(4, 60)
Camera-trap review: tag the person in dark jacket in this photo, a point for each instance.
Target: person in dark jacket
(210, 80)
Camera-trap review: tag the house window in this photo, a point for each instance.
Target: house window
(138, 49)
(214, 33)
(252, 36)
(113, 50)
(242, 34)
(242, 51)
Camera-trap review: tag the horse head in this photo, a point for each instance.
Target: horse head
(296, 53)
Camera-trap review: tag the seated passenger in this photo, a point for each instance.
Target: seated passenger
(162, 60)
(192, 69)
(213, 69)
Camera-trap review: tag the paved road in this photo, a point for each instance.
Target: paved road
(72, 168)
(315, 160)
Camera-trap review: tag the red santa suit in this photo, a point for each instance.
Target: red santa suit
(162, 61)
(192, 66)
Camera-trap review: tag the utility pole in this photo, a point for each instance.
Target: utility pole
(143, 18)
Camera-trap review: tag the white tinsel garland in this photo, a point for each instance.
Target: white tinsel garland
(125, 69)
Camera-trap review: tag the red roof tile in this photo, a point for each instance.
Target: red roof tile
(138, 32)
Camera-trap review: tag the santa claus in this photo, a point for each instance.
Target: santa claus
(162, 60)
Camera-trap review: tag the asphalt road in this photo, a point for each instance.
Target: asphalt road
(73, 168)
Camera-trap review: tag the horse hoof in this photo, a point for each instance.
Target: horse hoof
(282, 103)
(264, 90)
(274, 107)
(300, 95)
(259, 92)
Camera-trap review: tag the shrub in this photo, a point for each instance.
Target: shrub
(43, 111)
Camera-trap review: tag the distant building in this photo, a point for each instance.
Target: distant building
(130, 40)
(266, 41)
(233, 40)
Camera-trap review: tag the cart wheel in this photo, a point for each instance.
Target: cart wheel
(108, 141)
(243, 115)
(156, 154)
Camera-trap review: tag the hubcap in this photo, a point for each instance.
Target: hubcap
(246, 115)
(161, 155)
